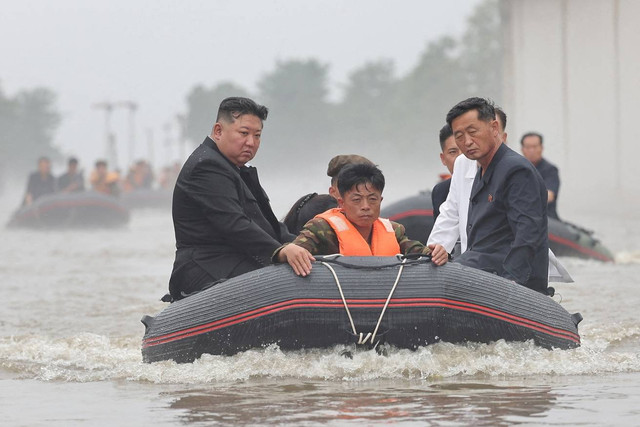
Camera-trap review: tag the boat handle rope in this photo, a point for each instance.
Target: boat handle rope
(370, 336)
(402, 259)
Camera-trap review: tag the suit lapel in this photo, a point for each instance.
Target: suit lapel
(481, 180)
(478, 184)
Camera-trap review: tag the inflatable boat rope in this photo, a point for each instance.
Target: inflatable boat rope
(362, 339)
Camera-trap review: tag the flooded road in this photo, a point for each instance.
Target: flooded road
(70, 349)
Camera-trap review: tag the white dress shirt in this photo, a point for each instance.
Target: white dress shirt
(451, 224)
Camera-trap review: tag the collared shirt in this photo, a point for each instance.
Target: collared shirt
(451, 223)
(507, 221)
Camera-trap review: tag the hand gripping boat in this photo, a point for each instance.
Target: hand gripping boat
(406, 303)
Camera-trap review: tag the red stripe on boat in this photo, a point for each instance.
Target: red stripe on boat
(377, 303)
(579, 248)
(412, 212)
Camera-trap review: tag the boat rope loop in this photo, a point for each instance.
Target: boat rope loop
(370, 336)
(401, 259)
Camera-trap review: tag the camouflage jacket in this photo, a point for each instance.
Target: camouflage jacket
(318, 237)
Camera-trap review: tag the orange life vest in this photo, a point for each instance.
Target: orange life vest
(383, 238)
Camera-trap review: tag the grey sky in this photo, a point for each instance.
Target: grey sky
(154, 51)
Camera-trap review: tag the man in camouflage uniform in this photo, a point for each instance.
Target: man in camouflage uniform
(360, 193)
(318, 238)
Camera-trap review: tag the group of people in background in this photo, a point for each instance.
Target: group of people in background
(101, 179)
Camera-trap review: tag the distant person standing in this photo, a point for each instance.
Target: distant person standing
(72, 180)
(532, 149)
(40, 182)
(104, 181)
(448, 156)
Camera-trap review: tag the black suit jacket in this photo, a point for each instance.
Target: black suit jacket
(223, 222)
(439, 195)
(551, 179)
(507, 221)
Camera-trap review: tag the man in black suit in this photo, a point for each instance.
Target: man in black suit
(40, 183)
(507, 221)
(532, 149)
(223, 221)
(450, 153)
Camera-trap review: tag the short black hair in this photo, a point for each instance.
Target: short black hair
(484, 107)
(101, 163)
(503, 117)
(72, 161)
(445, 133)
(530, 134)
(232, 108)
(360, 173)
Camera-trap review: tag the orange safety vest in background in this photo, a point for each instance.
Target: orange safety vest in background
(383, 238)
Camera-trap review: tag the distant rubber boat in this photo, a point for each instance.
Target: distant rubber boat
(147, 198)
(349, 300)
(565, 239)
(85, 209)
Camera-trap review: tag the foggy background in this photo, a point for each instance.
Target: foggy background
(339, 77)
(571, 72)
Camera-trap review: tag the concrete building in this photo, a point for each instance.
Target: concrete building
(572, 73)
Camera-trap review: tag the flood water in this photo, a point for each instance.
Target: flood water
(70, 348)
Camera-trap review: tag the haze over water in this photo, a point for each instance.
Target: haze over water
(153, 52)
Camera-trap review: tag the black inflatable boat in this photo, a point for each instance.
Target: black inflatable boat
(72, 210)
(362, 300)
(565, 239)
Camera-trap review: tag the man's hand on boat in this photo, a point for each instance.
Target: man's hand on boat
(298, 258)
(439, 255)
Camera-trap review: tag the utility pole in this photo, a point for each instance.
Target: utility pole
(109, 137)
(132, 107)
(182, 129)
(166, 128)
(150, 147)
